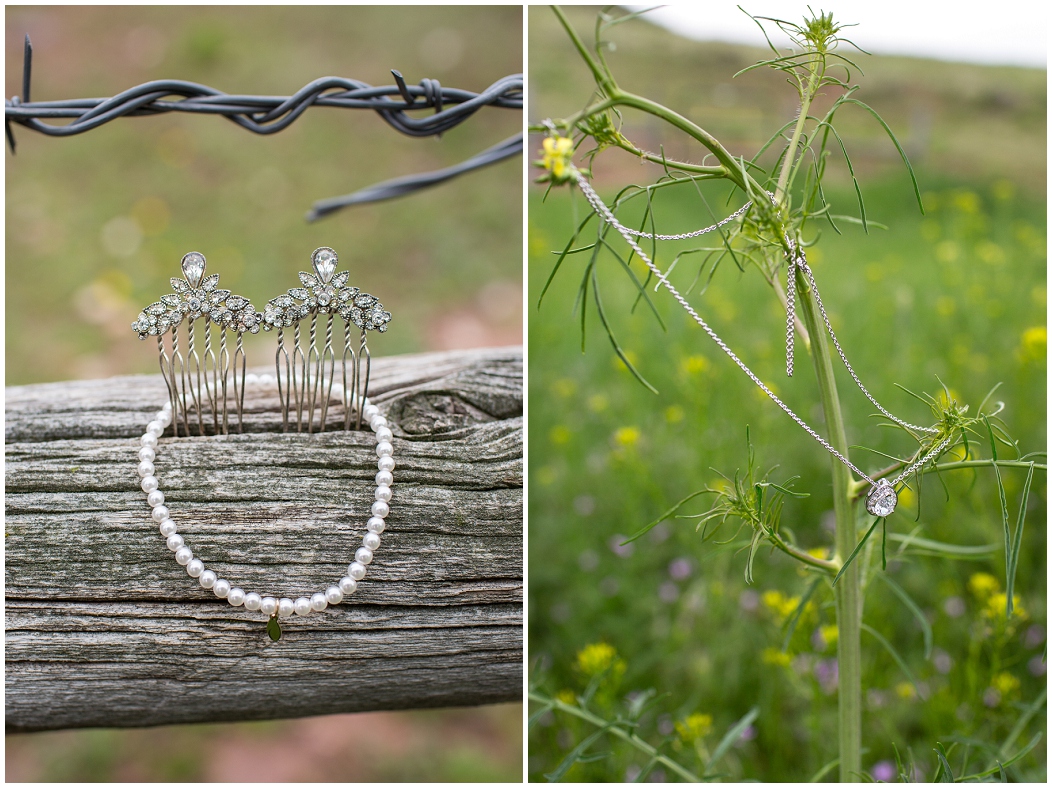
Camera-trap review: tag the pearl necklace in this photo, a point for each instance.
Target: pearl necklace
(274, 607)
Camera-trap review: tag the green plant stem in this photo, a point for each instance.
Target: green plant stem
(861, 487)
(847, 592)
(631, 738)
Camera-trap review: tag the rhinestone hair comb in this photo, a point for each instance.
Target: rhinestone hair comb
(207, 389)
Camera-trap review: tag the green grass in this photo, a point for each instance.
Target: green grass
(957, 295)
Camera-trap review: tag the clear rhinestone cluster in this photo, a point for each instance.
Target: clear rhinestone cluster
(325, 292)
(197, 296)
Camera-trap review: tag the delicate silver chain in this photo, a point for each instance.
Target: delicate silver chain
(601, 208)
(682, 236)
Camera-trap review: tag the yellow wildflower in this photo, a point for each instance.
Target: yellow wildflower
(558, 158)
(781, 605)
(1005, 683)
(966, 202)
(905, 690)
(775, 656)
(1035, 343)
(674, 414)
(821, 553)
(566, 696)
(627, 436)
(694, 364)
(983, 584)
(695, 727)
(829, 633)
(597, 658)
(997, 607)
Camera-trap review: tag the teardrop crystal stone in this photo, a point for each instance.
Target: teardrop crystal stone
(194, 268)
(881, 499)
(324, 260)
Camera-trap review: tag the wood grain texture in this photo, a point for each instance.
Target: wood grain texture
(104, 628)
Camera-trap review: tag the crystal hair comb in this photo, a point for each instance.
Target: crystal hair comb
(207, 390)
(306, 375)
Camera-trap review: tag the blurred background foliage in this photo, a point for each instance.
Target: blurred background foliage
(97, 223)
(957, 294)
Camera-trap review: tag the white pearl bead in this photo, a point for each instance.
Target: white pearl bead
(155, 428)
(386, 464)
(356, 570)
(156, 498)
(148, 440)
(381, 509)
(376, 422)
(175, 541)
(268, 605)
(384, 434)
(347, 585)
(195, 568)
(208, 578)
(370, 411)
(168, 527)
(384, 449)
(146, 468)
(253, 601)
(333, 595)
(266, 379)
(183, 555)
(167, 406)
(163, 417)
(285, 606)
(376, 525)
(251, 379)
(146, 454)
(372, 541)
(302, 606)
(384, 477)
(383, 493)
(148, 484)
(236, 597)
(221, 588)
(318, 602)
(364, 556)
(159, 514)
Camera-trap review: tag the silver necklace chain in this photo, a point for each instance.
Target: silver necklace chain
(798, 260)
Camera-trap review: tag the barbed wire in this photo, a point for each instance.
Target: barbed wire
(271, 114)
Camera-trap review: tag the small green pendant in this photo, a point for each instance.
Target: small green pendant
(274, 629)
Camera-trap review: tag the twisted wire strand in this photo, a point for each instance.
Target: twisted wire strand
(271, 114)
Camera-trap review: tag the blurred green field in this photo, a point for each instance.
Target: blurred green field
(957, 295)
(97, 223)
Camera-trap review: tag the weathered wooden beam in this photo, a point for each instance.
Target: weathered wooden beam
(103, 628)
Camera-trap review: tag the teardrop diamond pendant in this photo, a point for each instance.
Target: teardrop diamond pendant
(881, 499)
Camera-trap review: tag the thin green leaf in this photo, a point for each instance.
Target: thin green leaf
(894, 655)
(533, 718)
(999, 769)
(918, 614)
(665, 516)
(1004, 510)
(731, 737)
(898, 147)
(944, 774)
(575, 755)
(931, 547)
(562, 256)
(1023, 721)
(794, 619)
(1017, 540)
(855, 552)
(639, 285)
(817, 776)
(854, 180)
